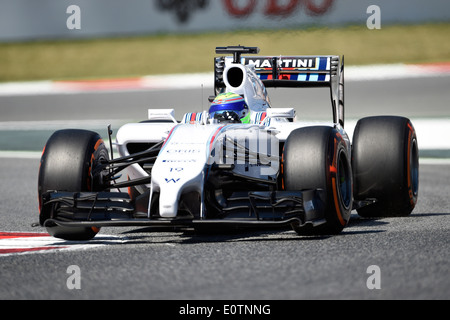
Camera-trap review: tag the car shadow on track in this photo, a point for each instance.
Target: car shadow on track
(171, 235)
(425, 215)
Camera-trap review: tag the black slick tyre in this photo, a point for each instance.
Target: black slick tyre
(386, 166)
(317, 158)
(67, 162)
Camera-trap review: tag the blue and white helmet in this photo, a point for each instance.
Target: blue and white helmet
(229, 107)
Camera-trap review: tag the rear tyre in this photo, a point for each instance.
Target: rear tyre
(317, 158)
(386, 166)
(67, 163)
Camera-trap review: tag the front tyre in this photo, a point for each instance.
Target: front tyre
(68, 161)
(317, 158)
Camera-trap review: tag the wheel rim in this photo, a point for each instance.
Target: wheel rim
(344, 181)
(414, 168)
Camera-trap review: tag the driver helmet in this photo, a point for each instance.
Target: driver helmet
(229, 107)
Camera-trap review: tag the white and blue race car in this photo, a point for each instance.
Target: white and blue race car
(242, 163)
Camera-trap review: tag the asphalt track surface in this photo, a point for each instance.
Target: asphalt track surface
(140, 263)
(416, 97)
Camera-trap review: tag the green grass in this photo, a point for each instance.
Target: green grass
(165, 54)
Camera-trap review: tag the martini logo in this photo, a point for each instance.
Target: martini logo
(296, 63)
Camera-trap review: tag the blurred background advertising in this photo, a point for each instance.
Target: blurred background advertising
(54, 54)
(54, 39)
(45, 19)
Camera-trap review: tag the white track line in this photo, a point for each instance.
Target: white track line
(10, 244)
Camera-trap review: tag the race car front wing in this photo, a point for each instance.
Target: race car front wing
(116, 209)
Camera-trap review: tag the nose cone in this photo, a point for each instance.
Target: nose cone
(168, 205)
(181, 165)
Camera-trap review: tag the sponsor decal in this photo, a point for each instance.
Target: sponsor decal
(179, 161)
(306, 63)
(183, 151)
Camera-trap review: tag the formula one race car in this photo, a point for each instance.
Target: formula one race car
(242, 163)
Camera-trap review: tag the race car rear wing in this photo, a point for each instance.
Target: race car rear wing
(296, 71)
(289, 72)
